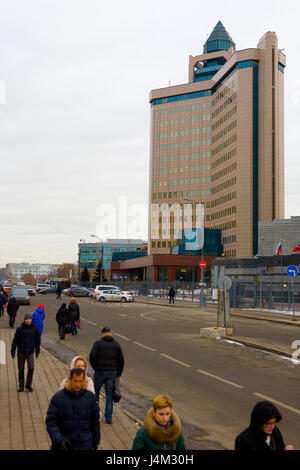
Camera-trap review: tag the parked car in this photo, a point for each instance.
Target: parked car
(112, 295)
(41, 286)
(77, 291)
(30, 290)
(21, 295)
(103, 287)
(7, 288)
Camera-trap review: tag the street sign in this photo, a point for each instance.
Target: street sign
(225, 283)
(203, 264)
(115, 276)
(292, 271)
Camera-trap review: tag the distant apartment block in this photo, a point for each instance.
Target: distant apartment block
(219, 140)
(37, 270)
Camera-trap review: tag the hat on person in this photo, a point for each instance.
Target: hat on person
(106, 329)
(73, 300)
(27, 316)
(13, 297)
(41, 306)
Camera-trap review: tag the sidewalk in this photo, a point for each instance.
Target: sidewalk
(22, 424)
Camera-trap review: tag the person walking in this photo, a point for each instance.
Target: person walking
(107, 359)
(3, 300)
(62, 319)
(80, 362)
(262, 434)
(38, 317)
(58, 292)
(171, 294)
(73, 416)
(162, 428)
(12, 308)
(26, 341)
(74, 315)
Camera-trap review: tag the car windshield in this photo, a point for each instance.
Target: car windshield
(20, 291)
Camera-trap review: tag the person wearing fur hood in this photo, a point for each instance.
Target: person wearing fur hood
(162, 428)
(81, 363)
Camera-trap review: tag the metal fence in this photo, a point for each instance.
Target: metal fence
(265, 295)
(259, 295)
(186, 291)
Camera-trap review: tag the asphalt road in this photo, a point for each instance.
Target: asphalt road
(214, 384)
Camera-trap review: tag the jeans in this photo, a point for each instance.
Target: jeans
(21, 366)
(106, 377)
(73, 328)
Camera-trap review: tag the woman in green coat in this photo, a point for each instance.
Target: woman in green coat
(162, 428)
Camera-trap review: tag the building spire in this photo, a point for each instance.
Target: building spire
(219, 40)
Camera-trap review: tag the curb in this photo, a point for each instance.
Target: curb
(278, 352)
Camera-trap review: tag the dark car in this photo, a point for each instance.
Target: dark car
(21, 295)
(78, 292)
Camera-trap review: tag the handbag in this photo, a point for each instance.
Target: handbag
(78, 323)
(117, 390)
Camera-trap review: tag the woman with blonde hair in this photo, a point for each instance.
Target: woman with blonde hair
(80, 362)
(162, 428)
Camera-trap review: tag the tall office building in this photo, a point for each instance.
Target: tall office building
(219, 140)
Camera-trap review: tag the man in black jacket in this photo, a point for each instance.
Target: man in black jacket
(26, 340)
(106, 358)
(12, 308)
(73, 417)
(74, 315)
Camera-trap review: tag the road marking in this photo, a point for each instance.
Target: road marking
(175, 360)
(143, 346)
(124, 337)
(2, 353)
(146, 318)
(294, 410)
(123, 315)
(219, 378)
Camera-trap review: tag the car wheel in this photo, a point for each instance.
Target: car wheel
(102, 299)
(123, 300)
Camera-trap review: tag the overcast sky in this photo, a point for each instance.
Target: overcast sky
(74, 130)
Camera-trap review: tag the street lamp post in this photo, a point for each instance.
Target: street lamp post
(202, 295)
(101, 272)
(80, 241)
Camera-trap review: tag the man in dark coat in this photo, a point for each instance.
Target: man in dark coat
(73, 417)
(106, 358)
(3, 300)
(12, 308)
(62, 319)
(171, 295)
(58, 292)
(74, 315)
(262, 434)
(26, 340)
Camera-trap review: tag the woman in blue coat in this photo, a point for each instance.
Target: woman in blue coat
(38, 318)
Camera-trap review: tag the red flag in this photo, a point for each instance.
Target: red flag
(297, 248)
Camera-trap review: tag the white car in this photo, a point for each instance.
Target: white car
(103, 287)
(112, 295)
